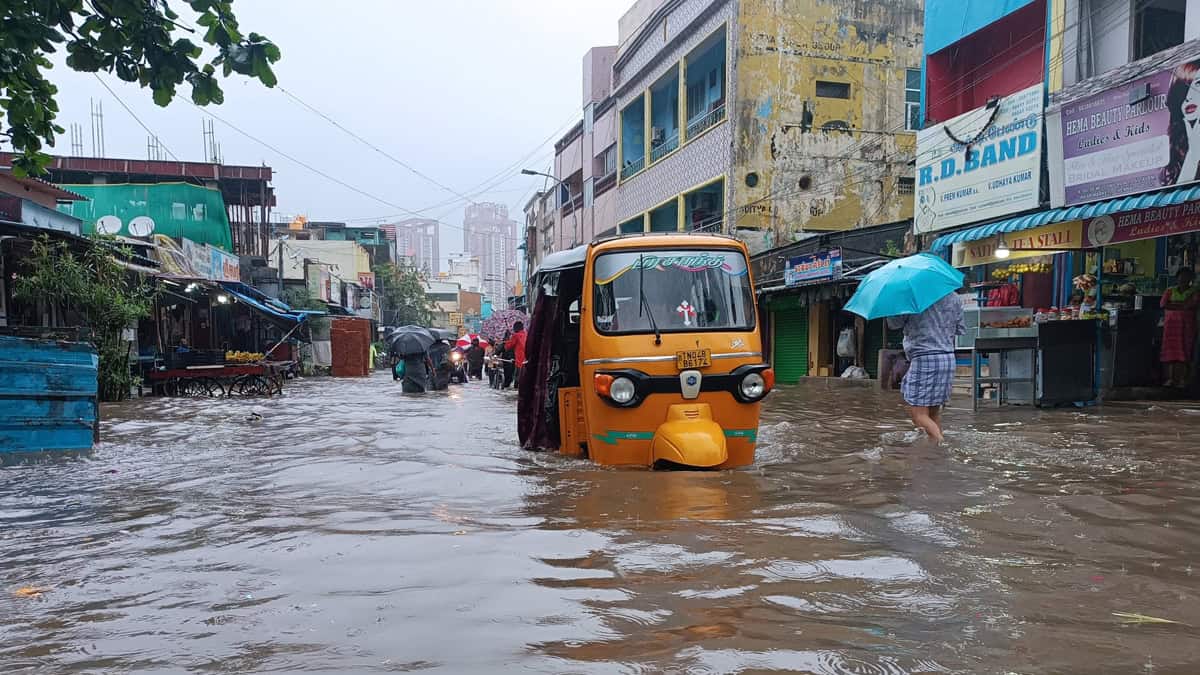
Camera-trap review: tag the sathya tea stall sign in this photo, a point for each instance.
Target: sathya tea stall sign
(1031, 243)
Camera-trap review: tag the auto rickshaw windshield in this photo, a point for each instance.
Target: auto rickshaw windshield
(672, 291)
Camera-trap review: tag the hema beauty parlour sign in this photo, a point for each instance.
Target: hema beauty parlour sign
(981, 165)
(1139, 136)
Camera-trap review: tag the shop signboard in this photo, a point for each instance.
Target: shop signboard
(1142, 224)
(1038, 241)
(198, 258)
(813, 267)
(223, 266)
(981, 165)
(366, 280)
(1133, 138)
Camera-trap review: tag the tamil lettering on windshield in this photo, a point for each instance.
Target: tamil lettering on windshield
(672, 291)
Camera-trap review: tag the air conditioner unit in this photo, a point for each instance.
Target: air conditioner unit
(657, 135)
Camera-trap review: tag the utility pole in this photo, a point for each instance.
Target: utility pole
(280, 247)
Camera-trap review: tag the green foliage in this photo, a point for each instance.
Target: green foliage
(298, 298)
(404, 298)
(891, 249)
(101, 295)
(138, 40)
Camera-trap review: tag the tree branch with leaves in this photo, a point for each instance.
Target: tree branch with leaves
(138, 40)
(405, 300)
(96, 293)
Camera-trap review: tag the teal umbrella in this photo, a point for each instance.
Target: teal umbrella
(905, 286)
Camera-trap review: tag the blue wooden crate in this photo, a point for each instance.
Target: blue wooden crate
(48, 395)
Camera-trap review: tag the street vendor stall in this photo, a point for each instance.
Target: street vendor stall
(263, 378)
(187, 369)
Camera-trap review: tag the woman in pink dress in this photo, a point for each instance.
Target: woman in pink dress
(1179, 328)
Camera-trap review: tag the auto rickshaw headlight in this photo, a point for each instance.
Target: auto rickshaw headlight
(622, 390)
(753, 386)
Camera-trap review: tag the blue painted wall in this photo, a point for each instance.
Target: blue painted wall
(47, 395)
(947, 21)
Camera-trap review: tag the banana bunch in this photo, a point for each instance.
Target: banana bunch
(1001, 273)
(244, 357)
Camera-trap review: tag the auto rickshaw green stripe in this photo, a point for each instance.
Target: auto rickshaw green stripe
(750, 434)
(611, 437)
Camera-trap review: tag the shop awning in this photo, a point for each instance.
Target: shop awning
(1029, 221)
(291, 316)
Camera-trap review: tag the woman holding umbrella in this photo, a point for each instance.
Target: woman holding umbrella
(918, 296)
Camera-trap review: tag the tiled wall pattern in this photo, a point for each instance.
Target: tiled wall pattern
(699, 160)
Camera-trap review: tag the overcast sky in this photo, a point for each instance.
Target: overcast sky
(459, 89)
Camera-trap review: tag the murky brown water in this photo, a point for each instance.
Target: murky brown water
(357, 530)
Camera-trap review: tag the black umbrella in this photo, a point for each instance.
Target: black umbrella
(409, 340)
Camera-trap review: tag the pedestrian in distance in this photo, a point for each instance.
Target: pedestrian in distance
(516, 345)
(929, 339)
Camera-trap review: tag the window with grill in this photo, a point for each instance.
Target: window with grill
(912, 100)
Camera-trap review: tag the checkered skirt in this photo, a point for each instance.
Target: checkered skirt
(929, 380)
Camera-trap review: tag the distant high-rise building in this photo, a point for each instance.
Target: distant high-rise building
(490, 235)
(417, 240)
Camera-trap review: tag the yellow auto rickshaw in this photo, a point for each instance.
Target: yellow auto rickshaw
(645, 350)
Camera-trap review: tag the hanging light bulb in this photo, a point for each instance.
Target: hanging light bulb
(1002, 251)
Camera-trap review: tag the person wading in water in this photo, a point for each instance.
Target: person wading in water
(929, 339)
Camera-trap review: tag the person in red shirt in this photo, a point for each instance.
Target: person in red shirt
(516, 345)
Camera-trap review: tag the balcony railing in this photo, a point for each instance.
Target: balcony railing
(606, 182)
(572, 205)
(698, 125)
(663, 149)
(633, 166)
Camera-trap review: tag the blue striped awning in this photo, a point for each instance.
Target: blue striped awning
(1029, 221)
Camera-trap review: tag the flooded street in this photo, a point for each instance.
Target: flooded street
(353, 529)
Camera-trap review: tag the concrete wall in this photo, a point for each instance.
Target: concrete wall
(635, 18)
(597, 73)
(1098, 35)
(796, 142)
(348, 256)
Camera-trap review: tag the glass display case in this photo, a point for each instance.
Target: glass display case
(1004, 322)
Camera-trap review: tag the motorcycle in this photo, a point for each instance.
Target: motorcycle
(458, 368)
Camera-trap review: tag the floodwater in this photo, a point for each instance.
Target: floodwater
(353, 529)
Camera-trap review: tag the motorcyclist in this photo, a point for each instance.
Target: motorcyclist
(475, 356)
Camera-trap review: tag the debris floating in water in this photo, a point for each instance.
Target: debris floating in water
(1141, 618)
(31, 592)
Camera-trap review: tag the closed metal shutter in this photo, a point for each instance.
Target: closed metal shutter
(791, 344)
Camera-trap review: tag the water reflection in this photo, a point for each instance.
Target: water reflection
(352, 529)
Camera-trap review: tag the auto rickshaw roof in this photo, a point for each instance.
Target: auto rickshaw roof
(667, 240)
(561, 260)
(576, 257)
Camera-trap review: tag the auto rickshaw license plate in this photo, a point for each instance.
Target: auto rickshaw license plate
(693, 358)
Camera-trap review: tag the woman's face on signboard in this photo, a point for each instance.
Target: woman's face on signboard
(1191, 102)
